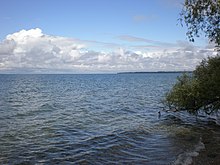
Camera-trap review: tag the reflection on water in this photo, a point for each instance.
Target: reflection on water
(96, 119)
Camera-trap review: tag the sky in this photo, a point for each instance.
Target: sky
(96, 36)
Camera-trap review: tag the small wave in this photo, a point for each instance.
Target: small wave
(48, 106)
(186, 157)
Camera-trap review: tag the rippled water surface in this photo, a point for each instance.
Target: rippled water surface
(95, 119)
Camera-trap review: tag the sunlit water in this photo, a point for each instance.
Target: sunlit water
(95, 119)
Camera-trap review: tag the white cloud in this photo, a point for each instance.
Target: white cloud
(33, 51)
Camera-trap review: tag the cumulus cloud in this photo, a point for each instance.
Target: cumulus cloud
(33, 49)
(35, 52)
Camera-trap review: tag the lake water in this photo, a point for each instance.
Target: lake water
(97, 119)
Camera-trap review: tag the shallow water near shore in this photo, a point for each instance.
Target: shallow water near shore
(98, 119)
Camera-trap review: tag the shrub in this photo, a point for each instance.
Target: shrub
(199, 90)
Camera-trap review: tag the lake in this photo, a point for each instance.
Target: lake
(99, 119)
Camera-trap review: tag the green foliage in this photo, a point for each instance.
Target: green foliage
(198, 91)
(201, 89)
(202, 15)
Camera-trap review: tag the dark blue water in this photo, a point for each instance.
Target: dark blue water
(93, 119)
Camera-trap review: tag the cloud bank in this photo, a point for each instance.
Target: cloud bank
(32, 51)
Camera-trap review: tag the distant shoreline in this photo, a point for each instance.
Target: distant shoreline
(155, 72)
(46, 73)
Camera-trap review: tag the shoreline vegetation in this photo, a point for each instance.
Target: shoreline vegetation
(199, 91)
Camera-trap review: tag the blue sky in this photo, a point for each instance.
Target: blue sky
(94, 19)
(130, 30)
